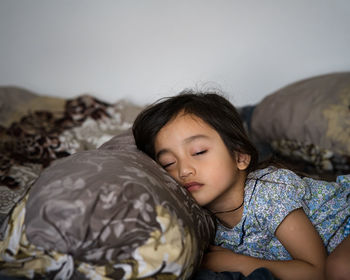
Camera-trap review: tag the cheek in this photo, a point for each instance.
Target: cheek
(211, 171)
(221, 169)
(173, 174)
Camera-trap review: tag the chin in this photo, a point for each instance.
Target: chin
(201, 203)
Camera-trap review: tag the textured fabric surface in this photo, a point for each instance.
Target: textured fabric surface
(116, 206)
(270, 195)
(308, 120)
(258, 274)
(17, 102)
(37, 138)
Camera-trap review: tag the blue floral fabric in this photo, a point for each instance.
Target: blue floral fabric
(270, 195)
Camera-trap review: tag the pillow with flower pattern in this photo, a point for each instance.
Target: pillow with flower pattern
(114, 213)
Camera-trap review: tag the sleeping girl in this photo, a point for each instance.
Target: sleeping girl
(296, 227)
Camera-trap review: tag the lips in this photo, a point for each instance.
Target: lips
(193, 186)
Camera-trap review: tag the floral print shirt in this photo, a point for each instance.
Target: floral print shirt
(270, 195)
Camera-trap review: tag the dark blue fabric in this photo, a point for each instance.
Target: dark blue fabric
(4, 277)
(258, 274)
(264, 148)
(246, 113)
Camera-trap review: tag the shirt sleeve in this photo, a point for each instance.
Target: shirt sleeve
(277, 194)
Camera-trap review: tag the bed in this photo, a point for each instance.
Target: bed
(100, 209)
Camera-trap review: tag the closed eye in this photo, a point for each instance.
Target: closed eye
(200, 153)
(165, 166)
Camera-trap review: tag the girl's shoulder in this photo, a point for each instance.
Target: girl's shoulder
(274, 175)
(273, 182)
(268, 189)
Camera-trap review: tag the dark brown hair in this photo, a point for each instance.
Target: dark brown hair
(211, 107)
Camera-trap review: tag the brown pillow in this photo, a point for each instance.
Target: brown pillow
(309, 119)
(116, 207)
(17, 102)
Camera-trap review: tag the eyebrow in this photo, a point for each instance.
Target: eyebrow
(186, 140)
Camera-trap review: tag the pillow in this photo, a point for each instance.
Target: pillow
(118, 211)
(308, 120)
(41, 129)
(17, 102)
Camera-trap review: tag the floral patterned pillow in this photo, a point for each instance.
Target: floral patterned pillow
(116, 210)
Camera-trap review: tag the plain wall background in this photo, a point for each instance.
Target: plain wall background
(143, 50)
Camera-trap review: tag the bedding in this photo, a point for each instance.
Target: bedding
(132, 221)
(307, 125)
(96, 211)
(31, 137)
(115, 210)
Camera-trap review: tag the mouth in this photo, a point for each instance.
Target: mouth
(193, 186)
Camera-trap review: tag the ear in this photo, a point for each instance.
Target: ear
(242, 161)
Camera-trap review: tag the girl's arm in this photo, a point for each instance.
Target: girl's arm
(298, 236)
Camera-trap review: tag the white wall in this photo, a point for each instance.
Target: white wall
(143, 50)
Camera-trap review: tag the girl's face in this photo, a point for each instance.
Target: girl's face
(194, 154)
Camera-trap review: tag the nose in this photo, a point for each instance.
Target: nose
(186, 170)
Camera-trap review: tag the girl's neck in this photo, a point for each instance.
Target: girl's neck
(231, 219)
(231, 214)
(229, 207)
(231, 210)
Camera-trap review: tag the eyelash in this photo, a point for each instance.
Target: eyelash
(200, 153)
(167, 165)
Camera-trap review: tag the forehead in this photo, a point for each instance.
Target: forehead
(182, 127)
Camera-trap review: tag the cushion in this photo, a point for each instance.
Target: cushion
(115, 208)
(309, 119)
(17, 102)
(36, 130)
